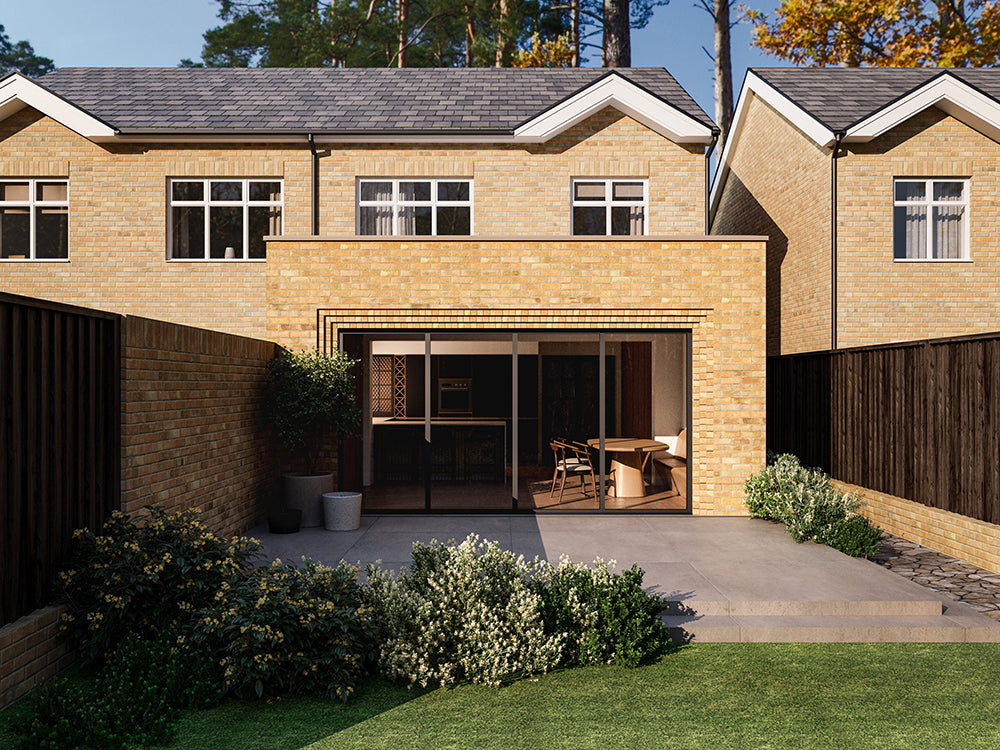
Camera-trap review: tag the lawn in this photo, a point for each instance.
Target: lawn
(703, 696)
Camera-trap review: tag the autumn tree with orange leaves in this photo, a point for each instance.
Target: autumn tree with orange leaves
(892, 33)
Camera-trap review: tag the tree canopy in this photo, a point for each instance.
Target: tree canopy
(20, 56)
(902, 33)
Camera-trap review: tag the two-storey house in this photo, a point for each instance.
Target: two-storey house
(514, 256)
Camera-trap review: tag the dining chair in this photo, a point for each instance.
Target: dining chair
(571, 459)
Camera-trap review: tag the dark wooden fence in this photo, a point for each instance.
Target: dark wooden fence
(919, 420)
(59, 439)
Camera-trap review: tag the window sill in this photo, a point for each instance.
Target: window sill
(216, 260)
(34, 260)
(932, 260)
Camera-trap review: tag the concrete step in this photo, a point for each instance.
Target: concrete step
(951, 627)
(916, 607)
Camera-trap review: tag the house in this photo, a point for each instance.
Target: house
(905, 162)
(878, 190)
(514, 255)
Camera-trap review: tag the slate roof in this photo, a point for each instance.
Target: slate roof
(841, 97)
(337, 100)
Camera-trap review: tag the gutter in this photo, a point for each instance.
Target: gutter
(838, 139)
(708, 182)
(315, 185)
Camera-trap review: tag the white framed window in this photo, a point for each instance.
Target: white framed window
(930, 219)
(610, 206)
(414, 207)
(223, 219)
(34, 219)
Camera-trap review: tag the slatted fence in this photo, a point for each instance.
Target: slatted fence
(918, 420)
(59, 439)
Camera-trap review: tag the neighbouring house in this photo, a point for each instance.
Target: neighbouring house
(906, 161)
(514, 255)
(879, 190)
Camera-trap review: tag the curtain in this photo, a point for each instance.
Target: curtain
(948, 231)
(376, 220)
(910, 232)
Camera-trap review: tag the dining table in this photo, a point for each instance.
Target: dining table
(629, 457)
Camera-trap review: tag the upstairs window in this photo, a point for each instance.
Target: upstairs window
(610, 207)
(223, 219)
(34, 219)
(930, 220)
(415, 207)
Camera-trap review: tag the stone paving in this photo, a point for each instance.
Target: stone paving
(976, 587)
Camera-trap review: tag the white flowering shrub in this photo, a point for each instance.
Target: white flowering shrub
(465, 612)
(810, 507)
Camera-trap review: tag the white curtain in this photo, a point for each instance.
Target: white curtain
(914, 230)
(948, 231)
(377, 220)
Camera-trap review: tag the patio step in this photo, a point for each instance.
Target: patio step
(947, 628)
(917, 607)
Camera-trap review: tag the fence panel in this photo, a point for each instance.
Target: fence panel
(919, 420)
(59, 438)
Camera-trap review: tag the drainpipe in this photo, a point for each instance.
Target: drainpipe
(837, 139)
(315, 185)
(708, 181)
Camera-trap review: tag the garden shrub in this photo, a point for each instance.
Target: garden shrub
(283, 628)
(134, 698)
(465, 612)
(810, 507)
(607, 617)
(144, 577)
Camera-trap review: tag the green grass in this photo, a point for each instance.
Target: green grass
(704, 696)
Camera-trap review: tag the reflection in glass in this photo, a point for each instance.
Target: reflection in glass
(414, 191)
(187, 232)
(415, 220)
(15, 232)
(226, 232)
(454, 220)
(188, 191)
(453, 191)
(589, 220)
(52, 232)
(227, 191)
(265, 191)
(264, 221)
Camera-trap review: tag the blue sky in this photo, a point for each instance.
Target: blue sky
(148, 33)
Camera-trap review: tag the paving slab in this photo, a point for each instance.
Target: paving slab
(724, 578)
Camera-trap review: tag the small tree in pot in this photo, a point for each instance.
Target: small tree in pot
(309, 396)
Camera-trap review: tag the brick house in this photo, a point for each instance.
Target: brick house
(514, 255)
(912, 252)
(878, 190)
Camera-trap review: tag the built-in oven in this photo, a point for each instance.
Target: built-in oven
(455, 396)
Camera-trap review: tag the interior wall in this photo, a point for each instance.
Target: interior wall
(669, 383)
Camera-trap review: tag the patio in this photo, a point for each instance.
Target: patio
(726, 579)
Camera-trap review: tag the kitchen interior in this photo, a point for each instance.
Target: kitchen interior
(491, 421)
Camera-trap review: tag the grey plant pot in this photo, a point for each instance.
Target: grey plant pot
(305, 492)
(342, 510)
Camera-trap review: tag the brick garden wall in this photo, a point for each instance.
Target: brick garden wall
(31, 652)
(192, 435)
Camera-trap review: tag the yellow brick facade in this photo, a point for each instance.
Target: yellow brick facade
(779, 186)
(713, 287)
(118, 204)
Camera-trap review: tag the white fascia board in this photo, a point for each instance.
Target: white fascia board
(946, 92)
(615, 91)
(17, 91)
(755, 86)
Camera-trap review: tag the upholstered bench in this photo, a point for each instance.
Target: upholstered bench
(673, 460)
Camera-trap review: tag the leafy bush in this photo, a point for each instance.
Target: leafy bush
(134, 698)
(141, 578)
(607, 617)
(463, 612)
(810, 507)
(289, 629)
(308, 395)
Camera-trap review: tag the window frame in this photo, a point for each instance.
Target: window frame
(930, 204)
(31, 205)
(395, 204)
(608, 203)
(207, 203)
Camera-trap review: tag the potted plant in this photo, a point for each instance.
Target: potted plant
(308, 397)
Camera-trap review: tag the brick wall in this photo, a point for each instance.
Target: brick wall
(192, 435)
(959, 536)
(31, 652)
(712, 286)
(118, 204)
(880, 300)
(779, 186)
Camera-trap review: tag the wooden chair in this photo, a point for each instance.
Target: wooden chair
(571, 459)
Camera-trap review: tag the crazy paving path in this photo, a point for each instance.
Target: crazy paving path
(978, 588)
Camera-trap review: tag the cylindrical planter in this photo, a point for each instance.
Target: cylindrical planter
(342, 510)
(284, 521)
(305, 492)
